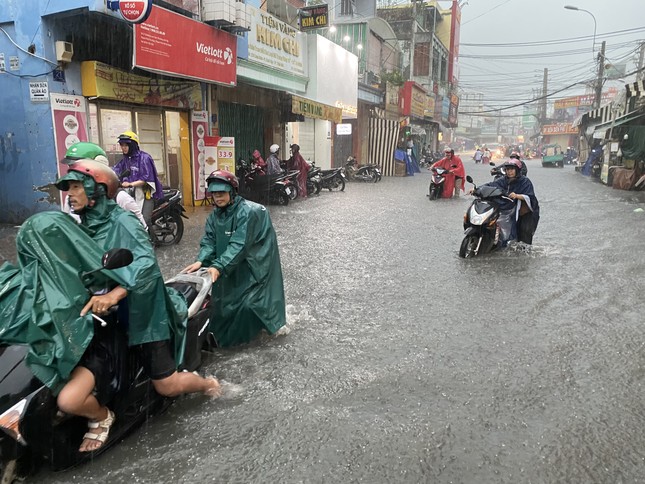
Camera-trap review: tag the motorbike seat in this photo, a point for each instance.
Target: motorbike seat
(189, 291)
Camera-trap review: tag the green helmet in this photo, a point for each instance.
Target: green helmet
(85, 150)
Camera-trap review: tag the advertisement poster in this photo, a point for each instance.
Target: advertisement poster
(173, 44)
(226, 154)
(69, 114)
(199, 130)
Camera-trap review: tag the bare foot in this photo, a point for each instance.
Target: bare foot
(214, 390)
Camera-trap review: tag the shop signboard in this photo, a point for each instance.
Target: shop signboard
(429, 108)
(276, 44)
(413, 100)
(226, 153)
(560, 128)
(173, 44)
(103, 81)
(314, 17)
(199, 131)
(135, 11)
(312, 109)
(343, 129)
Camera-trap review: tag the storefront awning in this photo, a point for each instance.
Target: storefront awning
(620, 121)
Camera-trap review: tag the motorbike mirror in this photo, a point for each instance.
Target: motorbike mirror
(492, 164)
(469, 179)
(116, 258)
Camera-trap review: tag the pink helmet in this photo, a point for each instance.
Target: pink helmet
(513, 163)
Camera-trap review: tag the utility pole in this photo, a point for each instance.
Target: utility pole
(545, 81)
(640, 75)
(601, 74)
(413, 38)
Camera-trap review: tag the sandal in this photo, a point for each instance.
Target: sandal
(105, 424)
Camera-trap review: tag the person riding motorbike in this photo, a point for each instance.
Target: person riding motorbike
(142, 174)
(273, 162)
(516, 156)
(455, 179)
(156, 317)
(84, 149)
(240, 250)
(524, 216)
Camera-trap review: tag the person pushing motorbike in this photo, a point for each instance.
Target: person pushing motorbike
(240, 250)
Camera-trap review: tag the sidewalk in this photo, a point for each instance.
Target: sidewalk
(8, 243)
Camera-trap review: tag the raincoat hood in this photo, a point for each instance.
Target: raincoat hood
(90, 186)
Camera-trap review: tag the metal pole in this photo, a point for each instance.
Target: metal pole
(640, 75)
(413, 38)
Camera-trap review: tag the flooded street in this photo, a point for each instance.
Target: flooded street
(402, 362)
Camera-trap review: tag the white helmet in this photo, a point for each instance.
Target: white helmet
(274, 148)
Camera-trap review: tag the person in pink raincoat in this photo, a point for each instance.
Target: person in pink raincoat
(455, 180)
(297, 162)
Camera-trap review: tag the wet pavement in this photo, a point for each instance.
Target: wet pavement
(402, 362)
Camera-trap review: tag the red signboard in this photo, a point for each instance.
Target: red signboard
(135, 11)
(413, 99)
(176, 45)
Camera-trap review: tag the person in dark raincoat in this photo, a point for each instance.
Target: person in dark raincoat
(47, 294)
(142, 174)
(519, 187)
(297, 162)
(240, 250)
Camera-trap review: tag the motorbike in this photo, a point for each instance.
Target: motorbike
(254, 185)
(35, 433)
(332, 180)
(314, 181)
(166, 224)
(366, 173)
(436, 182)
(486, 226)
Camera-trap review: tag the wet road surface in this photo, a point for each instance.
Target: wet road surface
(402, 362)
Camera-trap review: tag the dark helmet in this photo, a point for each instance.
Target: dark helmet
(100, 173)
(515, 155)
(219, 177)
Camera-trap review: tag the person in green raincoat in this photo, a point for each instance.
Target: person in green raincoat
(64, 350)
(240, 250)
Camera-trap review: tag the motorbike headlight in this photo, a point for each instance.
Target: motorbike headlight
(479, 218)
(10, 420)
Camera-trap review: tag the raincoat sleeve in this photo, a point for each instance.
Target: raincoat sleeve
(237, 247)
(208, 244)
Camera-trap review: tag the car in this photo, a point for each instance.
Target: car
(552, 155)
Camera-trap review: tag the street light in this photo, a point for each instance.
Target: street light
(572, 7)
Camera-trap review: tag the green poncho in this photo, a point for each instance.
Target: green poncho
(41, 301)
(249, 295)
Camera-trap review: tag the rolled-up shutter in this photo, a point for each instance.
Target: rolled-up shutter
(382, 143)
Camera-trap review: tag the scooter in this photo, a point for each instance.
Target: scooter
(332, 180)
(486, 226)
(35, 433)
(166, 223)
(436, 182)
(264, 188)
(314, 181)
(366, 173)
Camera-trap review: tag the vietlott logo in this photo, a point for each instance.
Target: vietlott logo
(65, 102)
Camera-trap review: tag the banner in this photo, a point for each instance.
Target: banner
(69, 115)
(314, 17)
(172, 44)
(103, 81)
(312, 109)
(561, 128)
(199, 130)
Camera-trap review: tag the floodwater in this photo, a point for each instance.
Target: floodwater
(402, 362)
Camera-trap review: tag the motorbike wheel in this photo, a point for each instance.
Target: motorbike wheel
(374, 176)
(337, 184)
(294, 193)
(283, 199)
(468, 246)
(167, 229)
(317, 188)
(433, 192)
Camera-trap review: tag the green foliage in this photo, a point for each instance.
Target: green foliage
(394, 77)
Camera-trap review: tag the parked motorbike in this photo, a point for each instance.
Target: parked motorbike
(314, 181)
(486, 226)
(332, 180)
(276, 189)
(436, 182)
(166, 223)
(35, 433)
(366, 173)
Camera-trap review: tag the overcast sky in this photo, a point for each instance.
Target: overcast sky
(509, 75)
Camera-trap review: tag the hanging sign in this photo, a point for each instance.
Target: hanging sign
(314, 17)
(199, 129)
(132, 11)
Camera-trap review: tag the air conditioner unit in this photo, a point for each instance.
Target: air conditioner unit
(64, 51)
(221, 11)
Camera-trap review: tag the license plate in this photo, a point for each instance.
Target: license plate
(287, 190)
